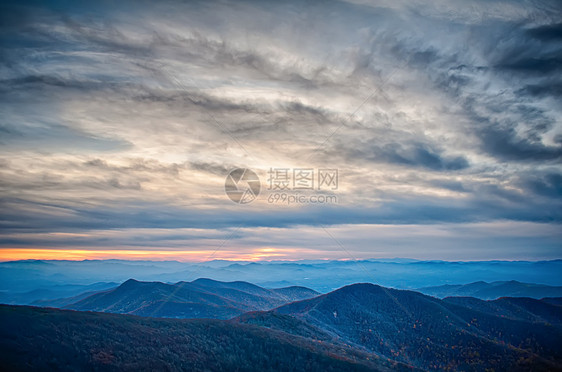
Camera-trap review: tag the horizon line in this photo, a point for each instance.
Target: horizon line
(279, 260)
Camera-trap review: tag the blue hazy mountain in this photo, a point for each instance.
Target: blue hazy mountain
(427, 332)
(19, 277)
(490, 291)
(516, 308)
(202, 298)
(53, 294)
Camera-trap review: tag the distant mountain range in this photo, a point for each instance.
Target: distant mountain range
(19, 277)
(357, 327)
(201, 298)
(491, 291)
(44, 293)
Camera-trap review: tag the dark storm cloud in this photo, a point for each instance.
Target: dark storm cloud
(520, 61)
(551, 32)
(414, 154)
(507, 145)
(548, 185)
(534, 54)
(510, 122)
(544, 89)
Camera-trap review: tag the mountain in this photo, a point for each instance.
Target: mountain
(320, 275)
(202, 298)
(357, 327)
(38, 339)
(553, 300)
(516, 308)
(50, 293)
(65, 301)
(295, 293)
(424, 331)
(491, 291)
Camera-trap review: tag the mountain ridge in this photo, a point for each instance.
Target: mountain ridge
(201, 298)
(493, 290)
(424, 331)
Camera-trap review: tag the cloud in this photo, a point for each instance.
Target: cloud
(129, 117)
(549, 32)
(414, 154)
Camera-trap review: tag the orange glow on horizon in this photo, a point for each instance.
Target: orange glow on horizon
(14, 254)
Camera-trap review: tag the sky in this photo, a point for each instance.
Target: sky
(121, 121)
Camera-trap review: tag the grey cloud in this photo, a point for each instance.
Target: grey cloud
(213, 168)
(386, 145)
(520, 54)
(411, 154)
(50, 179)
(543, 89)
(548, 185)
(496, 118)
(531, 64)
(502, 141)
(450, 185)
(461, 104)
(137, 165)
(548, 32)
(46, 217)
(55, 137)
